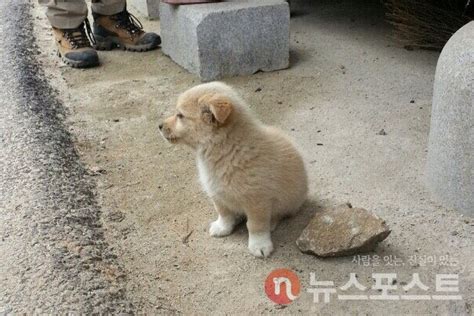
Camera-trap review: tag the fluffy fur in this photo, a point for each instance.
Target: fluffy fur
(247, 168)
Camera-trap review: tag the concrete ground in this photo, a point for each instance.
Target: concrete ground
(347, 82)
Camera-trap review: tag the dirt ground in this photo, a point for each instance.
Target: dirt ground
(347, 81)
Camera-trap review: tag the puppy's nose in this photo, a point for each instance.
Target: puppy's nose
(160, 126)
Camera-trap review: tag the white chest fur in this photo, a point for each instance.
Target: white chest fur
(205, 176)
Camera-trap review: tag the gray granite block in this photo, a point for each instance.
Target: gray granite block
(450, 163)
(224, 39)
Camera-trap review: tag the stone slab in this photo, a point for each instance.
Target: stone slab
(228, 38)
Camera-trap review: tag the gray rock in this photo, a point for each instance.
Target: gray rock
(230, 38)
(147, 8)
(342, 231)
(449, 168)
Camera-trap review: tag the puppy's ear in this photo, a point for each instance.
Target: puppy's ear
(215, 107)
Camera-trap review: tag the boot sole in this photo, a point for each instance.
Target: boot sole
(78, 64)
(109, 43)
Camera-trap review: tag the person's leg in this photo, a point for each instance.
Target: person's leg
(71, 32)
(108, 7)
(65, 14)
(114, 27)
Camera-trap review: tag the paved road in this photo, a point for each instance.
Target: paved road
(54, 256)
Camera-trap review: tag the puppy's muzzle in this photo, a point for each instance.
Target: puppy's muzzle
(166, 133)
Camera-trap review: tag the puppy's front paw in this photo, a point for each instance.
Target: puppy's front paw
(260, 245)
(220, 228)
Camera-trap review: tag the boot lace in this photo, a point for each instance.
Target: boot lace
(81, 36)
(127, 21)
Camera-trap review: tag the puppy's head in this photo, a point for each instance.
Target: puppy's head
(200, 112)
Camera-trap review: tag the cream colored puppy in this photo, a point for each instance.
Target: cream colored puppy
(245, 167)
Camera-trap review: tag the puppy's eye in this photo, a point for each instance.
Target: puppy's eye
(180, 115)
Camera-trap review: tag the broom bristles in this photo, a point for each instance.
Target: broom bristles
(426, 24)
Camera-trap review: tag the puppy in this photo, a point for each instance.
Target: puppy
(247, 168)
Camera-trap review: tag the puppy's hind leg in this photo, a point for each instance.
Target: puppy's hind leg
(259, 227)
(225, 222)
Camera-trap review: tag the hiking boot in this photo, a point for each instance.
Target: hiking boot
(74, 46)
(122, 30)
